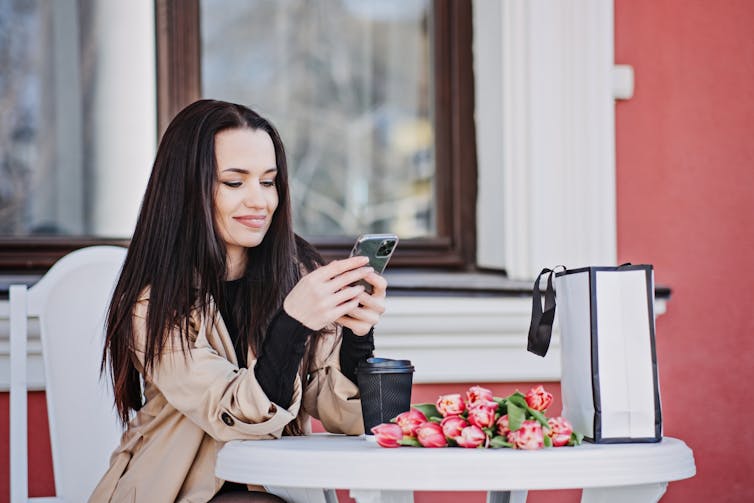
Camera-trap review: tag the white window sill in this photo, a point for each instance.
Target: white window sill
(449, 337)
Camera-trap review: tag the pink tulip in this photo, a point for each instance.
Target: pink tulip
(503, 428)
(477, 394)
(452, 426)
(410, 420)
(538, 399)
(483, 414)
(388, 434)
(530, 436)
(471, 437)
(560, 431)
(450, 405)
(431, 435)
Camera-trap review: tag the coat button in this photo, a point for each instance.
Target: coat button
(227, 419)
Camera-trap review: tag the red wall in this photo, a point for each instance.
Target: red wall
(41, 481)
(684, 182)
(684, 158)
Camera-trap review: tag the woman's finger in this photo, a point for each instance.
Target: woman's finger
(378, 282)
(337, 267)
(346, 294)
(348, 278)
(364, 315)
(341, 310)
(357, 327)
(373, 302)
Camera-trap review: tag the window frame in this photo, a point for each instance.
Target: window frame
(179, 83)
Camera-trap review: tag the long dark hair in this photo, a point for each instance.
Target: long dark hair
(177, 253)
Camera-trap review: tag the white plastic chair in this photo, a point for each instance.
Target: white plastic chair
(71, 302)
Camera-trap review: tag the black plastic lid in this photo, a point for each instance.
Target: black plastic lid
(384, 365)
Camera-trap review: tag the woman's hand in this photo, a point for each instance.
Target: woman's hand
(370, 309)
(325, 295)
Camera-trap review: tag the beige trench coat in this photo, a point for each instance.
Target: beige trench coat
(197, 402)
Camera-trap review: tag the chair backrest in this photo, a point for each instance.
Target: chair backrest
(71, 302)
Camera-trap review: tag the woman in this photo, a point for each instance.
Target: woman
(224, 324)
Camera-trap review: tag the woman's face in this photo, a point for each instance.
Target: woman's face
(245, 193)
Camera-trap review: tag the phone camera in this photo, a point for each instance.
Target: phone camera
(386, 248)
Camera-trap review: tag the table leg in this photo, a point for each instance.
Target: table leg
(376, 496)
(304, 495)
(644, 493)
(506, 496)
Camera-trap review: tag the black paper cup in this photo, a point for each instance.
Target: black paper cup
(385, 389)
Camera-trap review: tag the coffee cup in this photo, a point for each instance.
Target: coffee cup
(385, 389)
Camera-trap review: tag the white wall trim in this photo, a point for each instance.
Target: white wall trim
(448, 339)
(545, 133)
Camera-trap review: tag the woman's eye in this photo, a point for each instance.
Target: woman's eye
(268, 183)
(233, 185)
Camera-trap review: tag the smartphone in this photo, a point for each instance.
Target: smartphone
(379, 248)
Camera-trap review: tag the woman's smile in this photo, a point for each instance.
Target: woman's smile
(252, 221)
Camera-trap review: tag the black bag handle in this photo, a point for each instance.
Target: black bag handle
(540, 329)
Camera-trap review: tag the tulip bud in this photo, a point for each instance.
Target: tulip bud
(530, 436)
(410, 421)
(560, 431)
(450, 405)
(452, 426)
(477, 394)
(388, 434)
(503, 428)
(431, 435)
(483, 414)
(471, 437)
(538, 399)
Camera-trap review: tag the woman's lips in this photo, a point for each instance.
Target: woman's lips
(252, 221)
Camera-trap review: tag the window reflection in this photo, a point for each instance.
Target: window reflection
(77, 116)
(348, 84)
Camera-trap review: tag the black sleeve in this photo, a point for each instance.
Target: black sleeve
(355, 349)
(280, 357)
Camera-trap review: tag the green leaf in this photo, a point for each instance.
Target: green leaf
(576, 438)
(548, 441)
(428, 409)
(502, 407)
(538, 416)
(498, 442)
(410, 442)
(499, 401)
(435, 419)
(516, 416)
(518, 399)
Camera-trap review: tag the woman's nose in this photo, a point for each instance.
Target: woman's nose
(254, 197)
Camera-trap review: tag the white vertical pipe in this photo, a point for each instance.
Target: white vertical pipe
(125, 117)
(19, 467)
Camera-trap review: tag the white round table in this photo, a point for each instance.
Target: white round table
(616, 472)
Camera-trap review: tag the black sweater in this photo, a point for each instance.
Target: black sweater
(284, 346)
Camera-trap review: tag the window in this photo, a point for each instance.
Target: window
(546, 171)
(373, 99)
(77, 125)
(348, 84)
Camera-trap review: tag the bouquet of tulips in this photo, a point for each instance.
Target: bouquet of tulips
(479, 419)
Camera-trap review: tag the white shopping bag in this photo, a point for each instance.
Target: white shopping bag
(609, 381)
